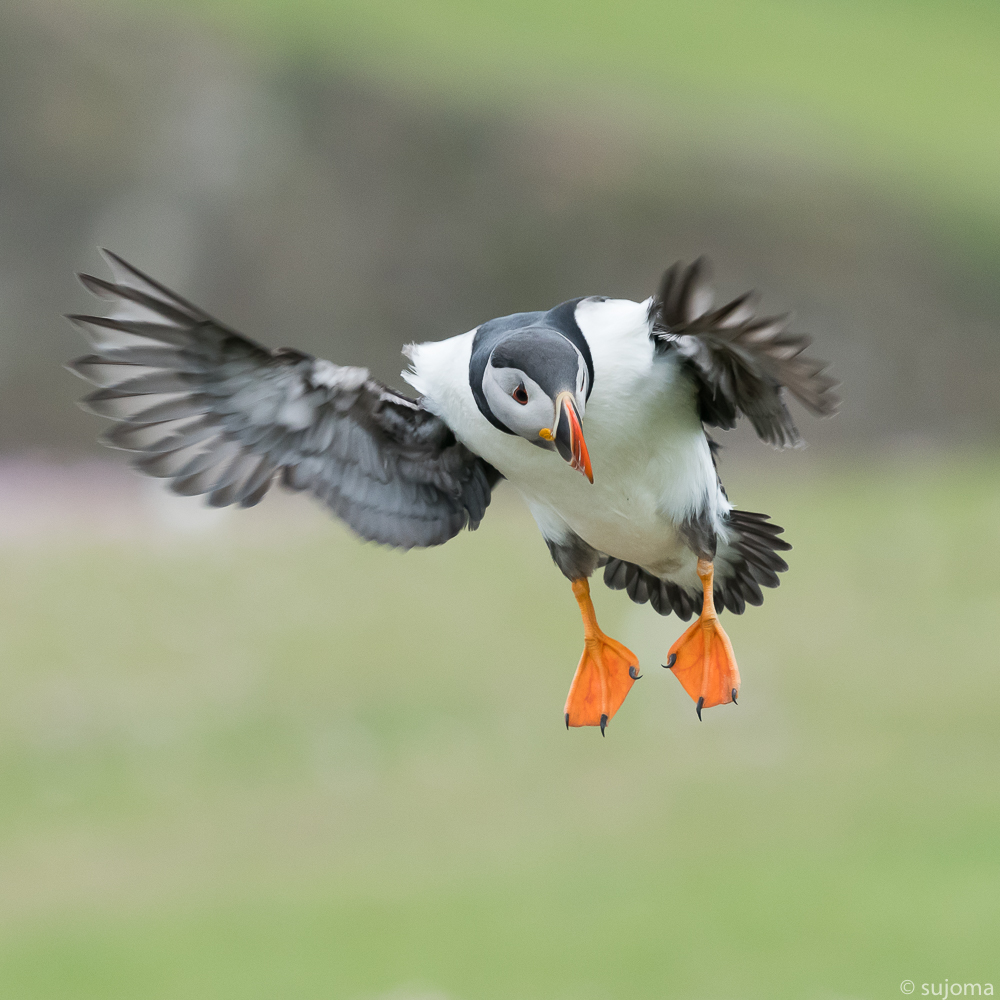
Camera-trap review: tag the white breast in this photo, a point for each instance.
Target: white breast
(652, 466)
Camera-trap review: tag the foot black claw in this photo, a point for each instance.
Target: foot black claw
(735, 702)
(604, 722)
(698, 707)
(633, 672)
(567, 720)
(671, 660)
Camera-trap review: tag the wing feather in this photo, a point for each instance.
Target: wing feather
(741, 363)
(222, 416)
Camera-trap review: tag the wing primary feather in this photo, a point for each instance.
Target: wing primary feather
(219, 415)
(740, 363)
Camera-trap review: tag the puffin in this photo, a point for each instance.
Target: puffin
(597, 411)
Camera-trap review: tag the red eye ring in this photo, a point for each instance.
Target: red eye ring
(520, 394)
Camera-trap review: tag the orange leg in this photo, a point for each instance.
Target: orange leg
(606, 672)
(702, 658)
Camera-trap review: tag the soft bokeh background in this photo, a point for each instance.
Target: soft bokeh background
(244, 756)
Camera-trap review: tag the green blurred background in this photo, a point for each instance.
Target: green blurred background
(244, 756)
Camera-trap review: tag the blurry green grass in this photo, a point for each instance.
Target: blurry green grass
(283, 764)
(900, 92)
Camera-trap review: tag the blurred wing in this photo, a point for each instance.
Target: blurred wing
(216, 413)
(740, 362)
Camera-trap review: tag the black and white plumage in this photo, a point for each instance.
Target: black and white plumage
(217, 414)
(662, 370)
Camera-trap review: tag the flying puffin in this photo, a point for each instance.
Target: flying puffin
(218, 414)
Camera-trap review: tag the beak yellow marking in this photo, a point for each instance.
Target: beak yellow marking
(547, 434)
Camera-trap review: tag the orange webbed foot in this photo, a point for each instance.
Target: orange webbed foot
(605, 674)
(702, 658)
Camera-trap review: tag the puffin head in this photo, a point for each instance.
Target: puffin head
(536, 383)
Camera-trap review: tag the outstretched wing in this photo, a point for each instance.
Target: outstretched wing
(217, 414)
(740, 362)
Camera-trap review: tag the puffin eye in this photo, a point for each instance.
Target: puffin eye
(520, 394)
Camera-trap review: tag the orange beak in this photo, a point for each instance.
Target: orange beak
(568, 435)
